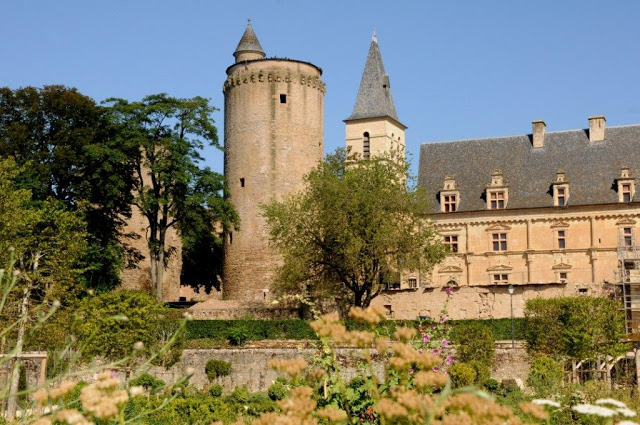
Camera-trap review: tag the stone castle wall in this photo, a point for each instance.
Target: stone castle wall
(273, 133)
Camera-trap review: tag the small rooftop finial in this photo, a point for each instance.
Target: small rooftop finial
(249, 21)
(374, 37)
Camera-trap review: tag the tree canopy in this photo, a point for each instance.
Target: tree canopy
(574, 328)
(65, 147)
(170, 187)
(355, 226)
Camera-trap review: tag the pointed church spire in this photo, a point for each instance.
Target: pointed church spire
(374, 95)
(249, 47)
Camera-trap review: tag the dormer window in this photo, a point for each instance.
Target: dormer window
(450, 203)
(560, 190)
(626, 186)
(497, 192)
(449, 195)
(497, 200)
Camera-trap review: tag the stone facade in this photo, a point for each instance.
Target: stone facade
(273, 134)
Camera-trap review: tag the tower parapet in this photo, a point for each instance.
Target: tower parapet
(273, 132)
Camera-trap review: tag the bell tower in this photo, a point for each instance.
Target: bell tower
(373, 127)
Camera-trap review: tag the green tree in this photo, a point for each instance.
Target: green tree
(575, 328)
(43, 244)
(171, 189)
(354, 226)
(64, 143)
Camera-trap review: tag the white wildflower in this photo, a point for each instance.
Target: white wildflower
(56, 303)
(138, 346)
(590, 409)
(626, 412)
(190, 371)
(612, 402)
(136, 391)
(187, 316)
(543, 402)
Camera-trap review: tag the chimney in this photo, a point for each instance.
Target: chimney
(539, 130)
(596, 128)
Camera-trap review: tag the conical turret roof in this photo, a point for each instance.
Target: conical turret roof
(374, 95)
(249, 42)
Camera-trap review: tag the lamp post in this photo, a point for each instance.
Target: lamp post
(511, 290)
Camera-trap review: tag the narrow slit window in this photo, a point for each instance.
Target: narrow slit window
(242, 182)
(230, 238)
(283, 98)
(366, 147)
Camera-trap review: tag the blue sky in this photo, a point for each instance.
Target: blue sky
(458, 69)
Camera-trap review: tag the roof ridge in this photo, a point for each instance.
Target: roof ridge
(521, 135)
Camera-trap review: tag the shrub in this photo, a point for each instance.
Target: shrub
(148, 382)
(278, 390)
(462, 375)
(475, 342)
(215, 390)
(491, 385)
(545, 376)
(483, 373)
(216, 368)
(111, 323)
(238, 335)
(240, 395)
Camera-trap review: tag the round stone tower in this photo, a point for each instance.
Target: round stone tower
(273, 132)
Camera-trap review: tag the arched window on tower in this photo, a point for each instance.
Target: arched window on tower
(366, 147)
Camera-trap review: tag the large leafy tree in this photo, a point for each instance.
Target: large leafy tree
(171, 188)
(355, 225)
(43, 243)
(67, 150)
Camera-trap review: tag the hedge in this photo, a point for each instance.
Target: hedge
(257, 330)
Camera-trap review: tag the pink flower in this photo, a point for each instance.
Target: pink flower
(443, 319)
(444, 343)
(426, 338)
(448, 360)
(448, 290)
(411, 370)
(445, 371)
(436, 369)
(436, 352)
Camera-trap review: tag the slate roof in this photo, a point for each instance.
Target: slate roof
(591, 168)
(374, 99)
(249, 42)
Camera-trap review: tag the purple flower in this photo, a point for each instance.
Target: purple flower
(444, 343)
(434, 327)
(411, 370)
(436, 369)
(443, 319)
(448, 360)
(426, 338)
(448, 290)
(436, 352)
(445, 371)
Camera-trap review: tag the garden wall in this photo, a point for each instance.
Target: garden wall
(249, 365)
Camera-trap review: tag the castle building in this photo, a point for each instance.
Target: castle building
(273, 137)
(547, 214)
